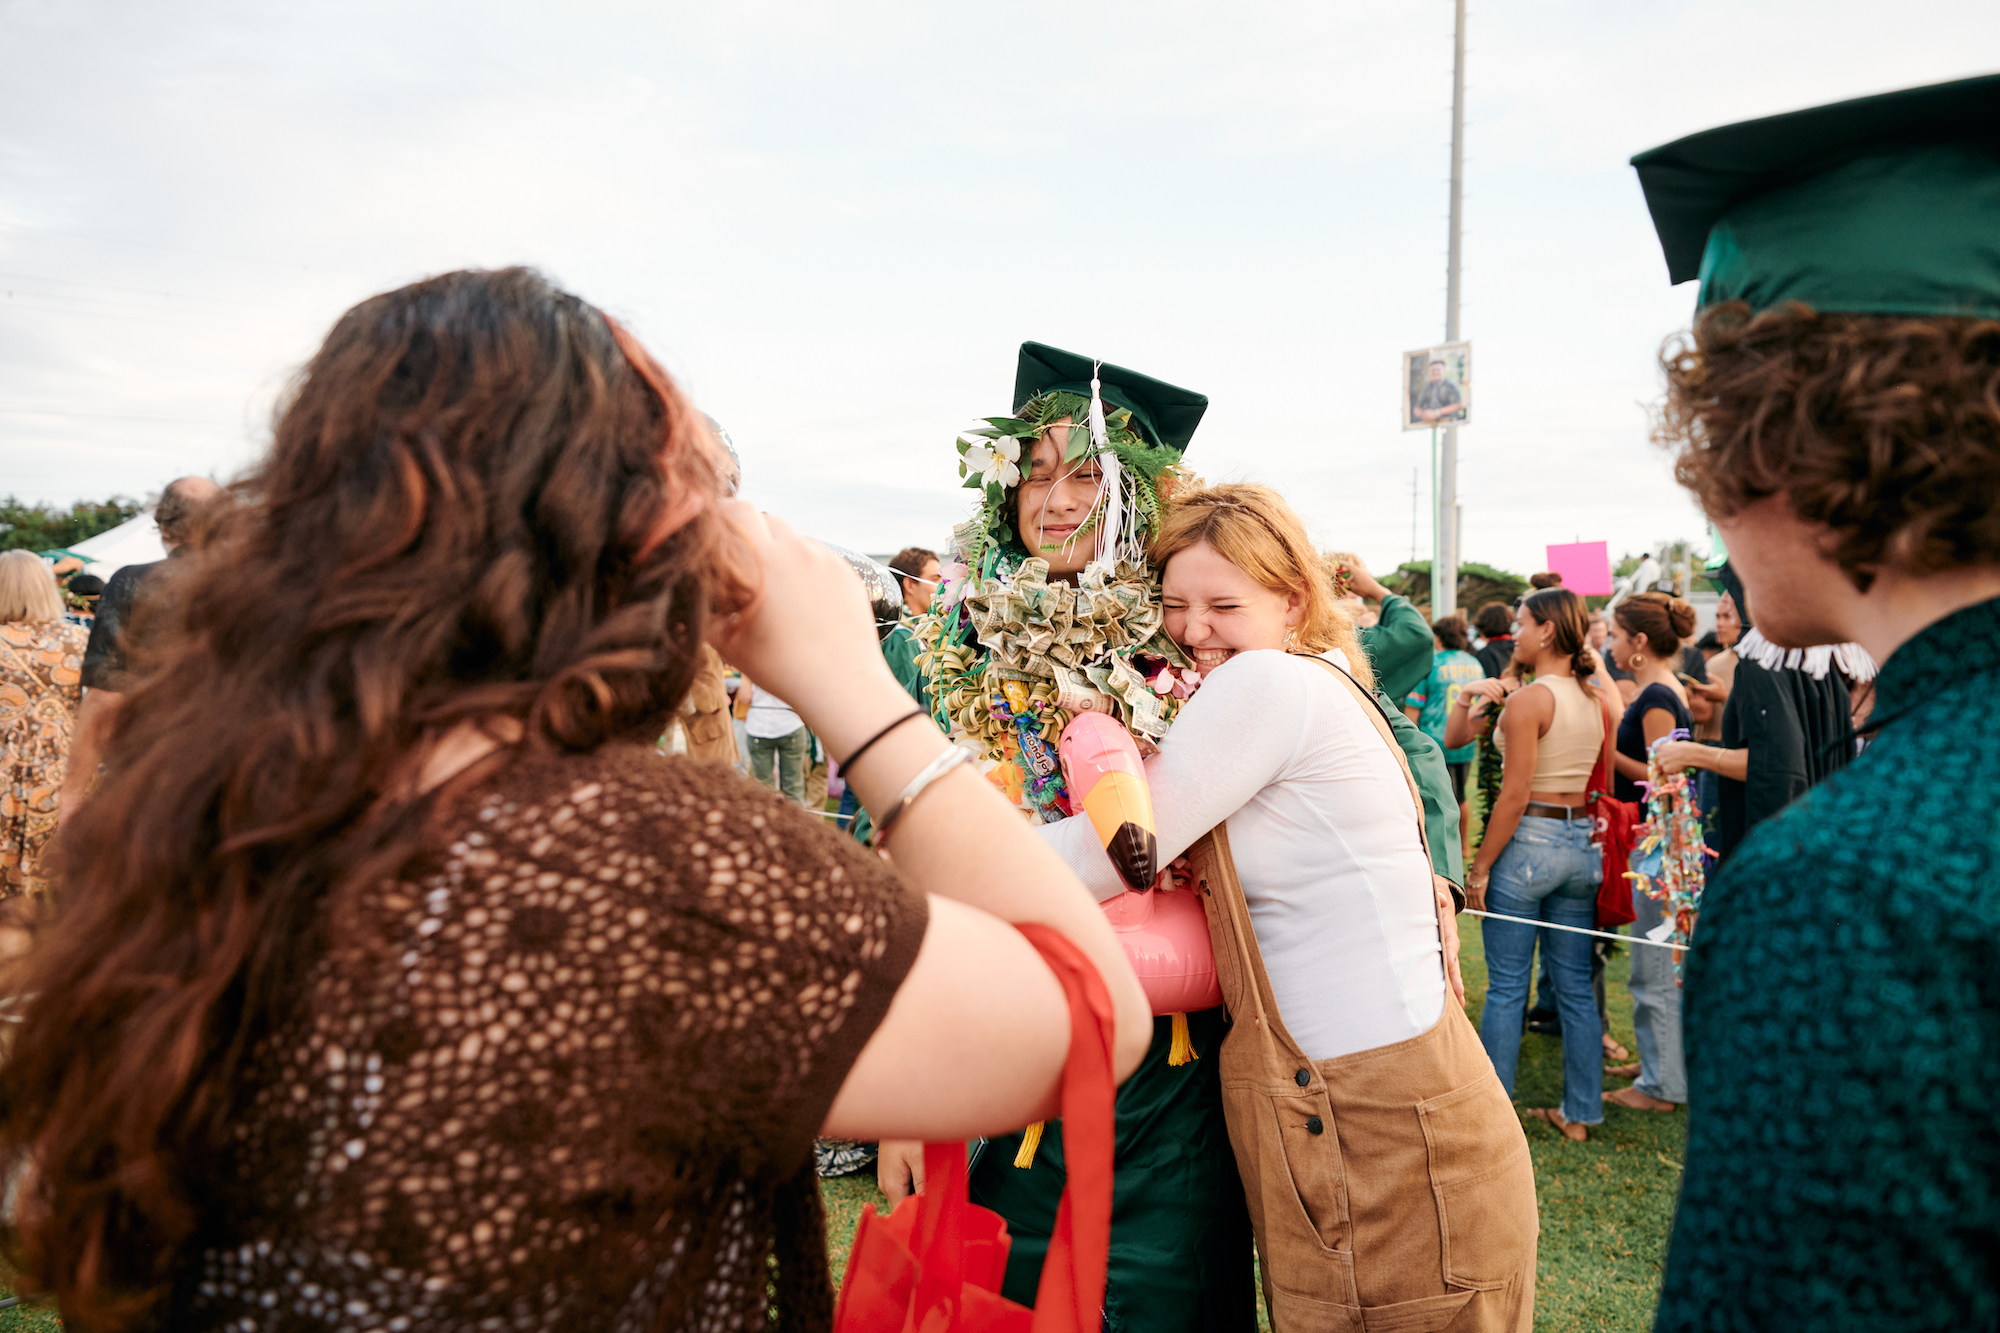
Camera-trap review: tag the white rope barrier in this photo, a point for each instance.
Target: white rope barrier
(1579, 930)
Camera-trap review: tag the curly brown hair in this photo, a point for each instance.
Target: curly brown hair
(1884, 428)
(482, 499)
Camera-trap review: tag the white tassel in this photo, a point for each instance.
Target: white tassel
(1111, 511)
(1852, 659)
(1111, 519)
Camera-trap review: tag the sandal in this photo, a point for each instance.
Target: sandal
(1622, 1071)
(1613, 1051)
(1553, 1115)
(1640, 1101)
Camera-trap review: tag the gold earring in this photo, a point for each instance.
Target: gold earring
(1291, 639)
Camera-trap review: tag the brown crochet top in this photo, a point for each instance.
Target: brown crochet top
(565, 1074)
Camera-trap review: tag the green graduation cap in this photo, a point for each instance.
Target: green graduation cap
(1163, 414)
(1881, 205)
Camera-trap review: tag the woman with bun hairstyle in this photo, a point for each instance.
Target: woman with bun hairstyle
(1536, 861)
(1647, 631)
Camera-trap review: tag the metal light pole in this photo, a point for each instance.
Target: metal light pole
(1444, 569)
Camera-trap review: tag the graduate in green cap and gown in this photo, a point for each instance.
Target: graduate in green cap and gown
(1048, 605)
(1836, 409)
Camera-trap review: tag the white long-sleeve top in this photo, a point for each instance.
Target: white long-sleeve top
(1326, 843)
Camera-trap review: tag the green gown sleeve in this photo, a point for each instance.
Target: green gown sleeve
(900, 650)
(1434, 785)
(1400, 649)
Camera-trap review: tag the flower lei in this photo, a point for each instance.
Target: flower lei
(1667, 861)
(1339, 573)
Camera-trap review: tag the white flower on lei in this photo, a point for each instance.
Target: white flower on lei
(995, 461)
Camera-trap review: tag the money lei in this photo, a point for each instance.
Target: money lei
(1018, 656)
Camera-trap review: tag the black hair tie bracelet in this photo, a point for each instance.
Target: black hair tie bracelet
(848, 762)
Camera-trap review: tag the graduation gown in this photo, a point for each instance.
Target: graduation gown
(1797, 730)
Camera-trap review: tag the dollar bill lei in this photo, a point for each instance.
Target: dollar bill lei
(1012, 657)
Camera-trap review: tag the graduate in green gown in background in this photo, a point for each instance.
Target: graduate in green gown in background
(1048, 600)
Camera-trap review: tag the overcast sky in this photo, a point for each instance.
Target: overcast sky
(835, 222)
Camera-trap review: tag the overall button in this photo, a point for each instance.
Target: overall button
(1314, 1125)
(1303, 1077)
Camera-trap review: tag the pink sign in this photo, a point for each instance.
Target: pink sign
(1585, 567)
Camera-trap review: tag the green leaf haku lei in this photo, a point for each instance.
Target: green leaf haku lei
(1144, 466)
(1007, 652)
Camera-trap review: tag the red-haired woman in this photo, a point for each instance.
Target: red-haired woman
(398, 987)
(1388, 1179)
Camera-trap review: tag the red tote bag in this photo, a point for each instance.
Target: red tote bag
(934, 1265)
(1613, 823)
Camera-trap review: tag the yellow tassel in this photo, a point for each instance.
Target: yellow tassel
(1031, 1139)
(1182, 1051)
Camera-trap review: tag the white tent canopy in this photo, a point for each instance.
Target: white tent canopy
(133, 542)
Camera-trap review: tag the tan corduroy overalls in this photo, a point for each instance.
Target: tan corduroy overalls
(1390, 1189)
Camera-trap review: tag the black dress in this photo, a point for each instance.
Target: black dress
(1632, 733)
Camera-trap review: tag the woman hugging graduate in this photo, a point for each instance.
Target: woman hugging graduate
(1049, 608)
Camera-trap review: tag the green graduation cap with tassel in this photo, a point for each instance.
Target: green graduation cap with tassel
(1135, 425)
(1886, 205)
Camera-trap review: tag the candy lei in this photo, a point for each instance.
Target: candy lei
(1010, 657)
(1667, 861)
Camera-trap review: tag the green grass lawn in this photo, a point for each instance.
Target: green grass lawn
(28, 1319)
(1606, 1204)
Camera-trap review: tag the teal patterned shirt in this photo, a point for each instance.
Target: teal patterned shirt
(1842, 1031)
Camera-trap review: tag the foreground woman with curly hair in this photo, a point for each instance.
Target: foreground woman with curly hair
(1837, 412)
(401, 984)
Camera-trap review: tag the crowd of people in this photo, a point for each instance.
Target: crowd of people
(381, 971)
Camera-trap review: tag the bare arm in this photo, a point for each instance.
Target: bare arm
(1528, 715)
(980, 1016)
(1600, 676)
(1676, 756)
(94, 718)
(1469, 719)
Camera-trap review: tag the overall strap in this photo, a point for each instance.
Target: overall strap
(1239, 963)
(1380, 718)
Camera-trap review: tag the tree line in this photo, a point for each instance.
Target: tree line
(44, 527)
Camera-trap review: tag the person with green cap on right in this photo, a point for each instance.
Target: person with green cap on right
(1836, 410)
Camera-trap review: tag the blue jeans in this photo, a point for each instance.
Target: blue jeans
(1548, 872)
(1656, 1009)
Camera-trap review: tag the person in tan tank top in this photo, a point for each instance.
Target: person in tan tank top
(1536, 863)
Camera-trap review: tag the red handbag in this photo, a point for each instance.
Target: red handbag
(934, 1265)
(1613, 823)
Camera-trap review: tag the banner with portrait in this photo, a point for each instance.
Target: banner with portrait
(1437, 386)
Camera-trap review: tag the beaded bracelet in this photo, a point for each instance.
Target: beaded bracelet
(937, 768)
